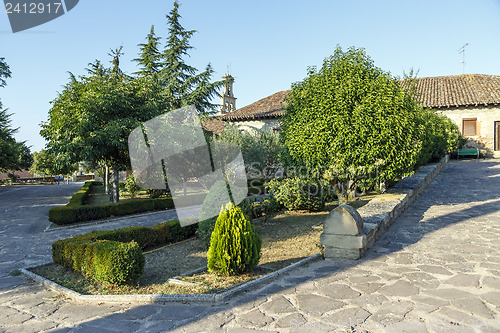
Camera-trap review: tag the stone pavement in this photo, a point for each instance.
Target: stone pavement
(437, 269)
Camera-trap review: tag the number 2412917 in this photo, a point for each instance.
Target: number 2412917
(33, 8)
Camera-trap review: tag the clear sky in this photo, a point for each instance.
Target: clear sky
(269, 44)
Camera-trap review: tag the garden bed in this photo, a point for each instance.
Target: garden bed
(287, 238)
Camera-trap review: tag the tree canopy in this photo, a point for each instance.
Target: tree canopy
(46, 163)
(181, 83)
(14, 155)
(91, 119)
(93, 116)
(350, 119)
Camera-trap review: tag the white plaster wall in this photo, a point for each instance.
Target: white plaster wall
(256, 125)
(486, 117)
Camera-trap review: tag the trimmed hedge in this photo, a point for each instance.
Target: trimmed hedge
(115, 256)
(113, 262)
(81, 195)
(76, 210)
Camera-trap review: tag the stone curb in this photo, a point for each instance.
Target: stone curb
(378, 214)
(160, 298)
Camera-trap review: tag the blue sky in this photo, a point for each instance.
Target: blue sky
(269, 44)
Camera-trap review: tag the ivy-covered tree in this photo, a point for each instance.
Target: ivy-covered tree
(350, 119)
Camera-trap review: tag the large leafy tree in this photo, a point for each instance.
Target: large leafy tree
(349, 120)
(94, 115)
(47, 163)
(13, 155)
(43, 163)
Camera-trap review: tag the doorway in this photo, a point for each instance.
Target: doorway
(497, 135)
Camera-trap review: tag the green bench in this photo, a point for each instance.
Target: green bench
(467, 152)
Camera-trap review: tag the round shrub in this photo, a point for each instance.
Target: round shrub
(298, 193)
(234, 245)
(354, 117)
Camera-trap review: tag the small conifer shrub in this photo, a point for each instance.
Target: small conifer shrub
(234, 245)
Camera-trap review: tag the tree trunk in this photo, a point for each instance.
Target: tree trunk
(105, 178)
(116, 184)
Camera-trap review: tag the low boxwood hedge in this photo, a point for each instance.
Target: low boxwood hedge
(115, 256)
(76, 210)
(81, 195)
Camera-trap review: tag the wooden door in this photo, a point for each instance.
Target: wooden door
(497, 135)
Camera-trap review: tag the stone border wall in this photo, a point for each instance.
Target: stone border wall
(374, 217)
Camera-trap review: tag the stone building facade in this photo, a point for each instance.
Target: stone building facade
(472, 101)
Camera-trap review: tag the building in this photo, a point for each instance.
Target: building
(472, 101)
(227, 99)
(263, 114)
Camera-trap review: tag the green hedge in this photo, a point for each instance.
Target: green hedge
(113, 262)
(81, 195)
(115, 256)
(75, 211)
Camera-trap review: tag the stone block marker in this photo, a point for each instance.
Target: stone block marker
(342, 234)
(347, 233)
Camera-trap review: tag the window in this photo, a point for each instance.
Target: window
(469, 127)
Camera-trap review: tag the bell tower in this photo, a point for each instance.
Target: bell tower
(227, 99)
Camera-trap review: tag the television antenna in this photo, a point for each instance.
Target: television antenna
(462, 50)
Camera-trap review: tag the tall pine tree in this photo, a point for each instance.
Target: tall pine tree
(181, 84)
(149, 55)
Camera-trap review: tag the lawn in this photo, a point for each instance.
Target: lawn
(286, 238)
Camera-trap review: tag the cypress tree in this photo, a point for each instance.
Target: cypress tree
(234, 245)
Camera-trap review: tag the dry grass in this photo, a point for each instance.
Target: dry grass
(286, 238)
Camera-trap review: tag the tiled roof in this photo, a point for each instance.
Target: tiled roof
(268, 107)
(458, 90)
(433, 92)
(213, 124)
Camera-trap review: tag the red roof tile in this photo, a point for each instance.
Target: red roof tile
(268, 107)
(213, 124)
(458, 90)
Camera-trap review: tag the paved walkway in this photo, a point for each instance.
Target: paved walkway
(436, 270)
